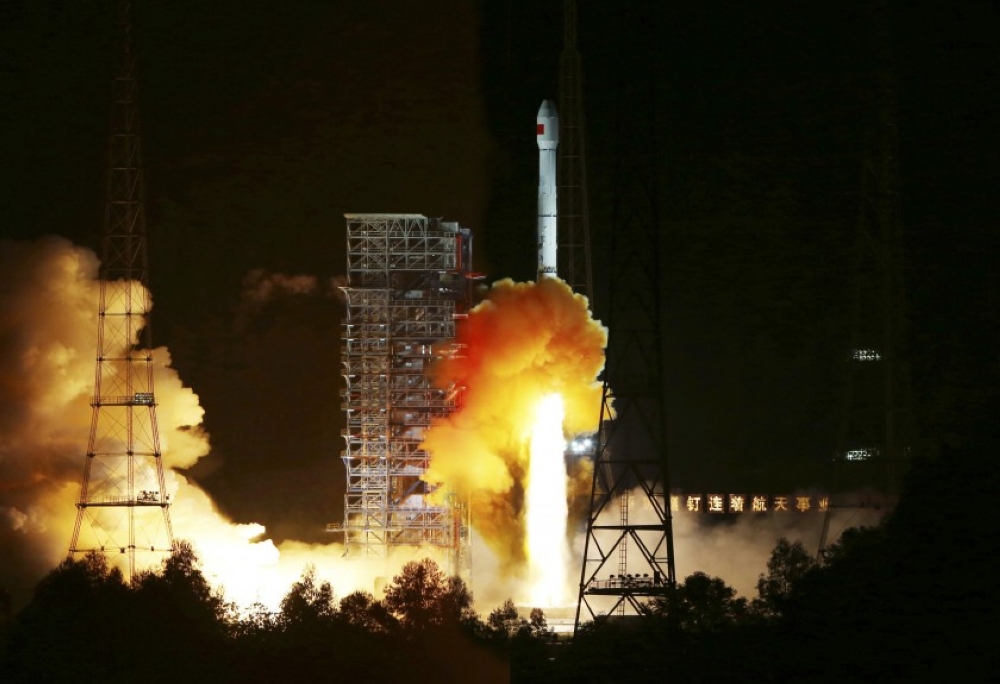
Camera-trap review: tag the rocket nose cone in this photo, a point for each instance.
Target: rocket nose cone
(547, 110)
(547, 126)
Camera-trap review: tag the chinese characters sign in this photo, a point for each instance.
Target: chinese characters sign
(749, 503)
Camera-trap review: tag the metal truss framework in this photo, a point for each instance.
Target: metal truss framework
(123, 507)
(628, 557)
(409, 279)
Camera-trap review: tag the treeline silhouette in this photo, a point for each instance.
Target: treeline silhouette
(913, 598)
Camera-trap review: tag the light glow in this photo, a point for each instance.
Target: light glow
(545, 505)
(860, 454)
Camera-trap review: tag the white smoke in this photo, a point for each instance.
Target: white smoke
(49, 295)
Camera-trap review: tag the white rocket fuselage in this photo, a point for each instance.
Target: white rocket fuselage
(547, 132)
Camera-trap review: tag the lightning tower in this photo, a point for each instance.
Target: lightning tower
(409, 280)
(574, 211)
(123, 509)
(876, 421)
(629, 554)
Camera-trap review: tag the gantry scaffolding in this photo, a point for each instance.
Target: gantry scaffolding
(409, 279)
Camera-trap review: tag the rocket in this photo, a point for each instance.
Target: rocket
(547, 133)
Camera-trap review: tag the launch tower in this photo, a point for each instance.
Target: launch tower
(123, 508)
(628, 557)
(409, 279)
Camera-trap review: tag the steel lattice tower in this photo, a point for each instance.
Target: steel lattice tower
(876, 422)
(629, 553)
(574, 214)
(409, 280)
(123, 507)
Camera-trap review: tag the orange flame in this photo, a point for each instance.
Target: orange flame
(524, 342)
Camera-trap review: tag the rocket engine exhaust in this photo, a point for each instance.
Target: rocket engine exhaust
(547, 134)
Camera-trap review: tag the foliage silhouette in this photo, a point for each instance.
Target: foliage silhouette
(910, 598)
(420, 596)
(73, 628)
(788, 564)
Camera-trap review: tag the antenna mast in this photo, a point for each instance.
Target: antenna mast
(123, 507)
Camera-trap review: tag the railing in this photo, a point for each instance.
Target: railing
(628, 582)
(143, 498)
(137, 399)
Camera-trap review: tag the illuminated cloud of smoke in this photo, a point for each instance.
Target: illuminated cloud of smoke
(526, 340)
(48, 325)
(48, 318)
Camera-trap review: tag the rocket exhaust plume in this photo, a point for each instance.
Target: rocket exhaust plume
(547, 134)
(545, 506)
(525, 342)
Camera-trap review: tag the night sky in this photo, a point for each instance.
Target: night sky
(263, 123)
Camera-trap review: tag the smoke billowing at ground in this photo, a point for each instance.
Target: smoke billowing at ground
(48, 299)
(524, 342)
(737, 548)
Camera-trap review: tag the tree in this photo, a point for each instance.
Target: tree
(184, 589)
(255, 622)
(457, 606)
(421, 596)
(362, 610)
(178, 606)
(307, 602)
(702, 604)
(539, 624)
(788, 564)
(73, 628)
(504, 623)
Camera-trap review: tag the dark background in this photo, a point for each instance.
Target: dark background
(263, 123)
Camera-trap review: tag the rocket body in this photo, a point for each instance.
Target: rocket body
(547, 133)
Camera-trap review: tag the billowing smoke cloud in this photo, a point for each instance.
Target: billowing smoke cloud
(525, 341)
(48, 325)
